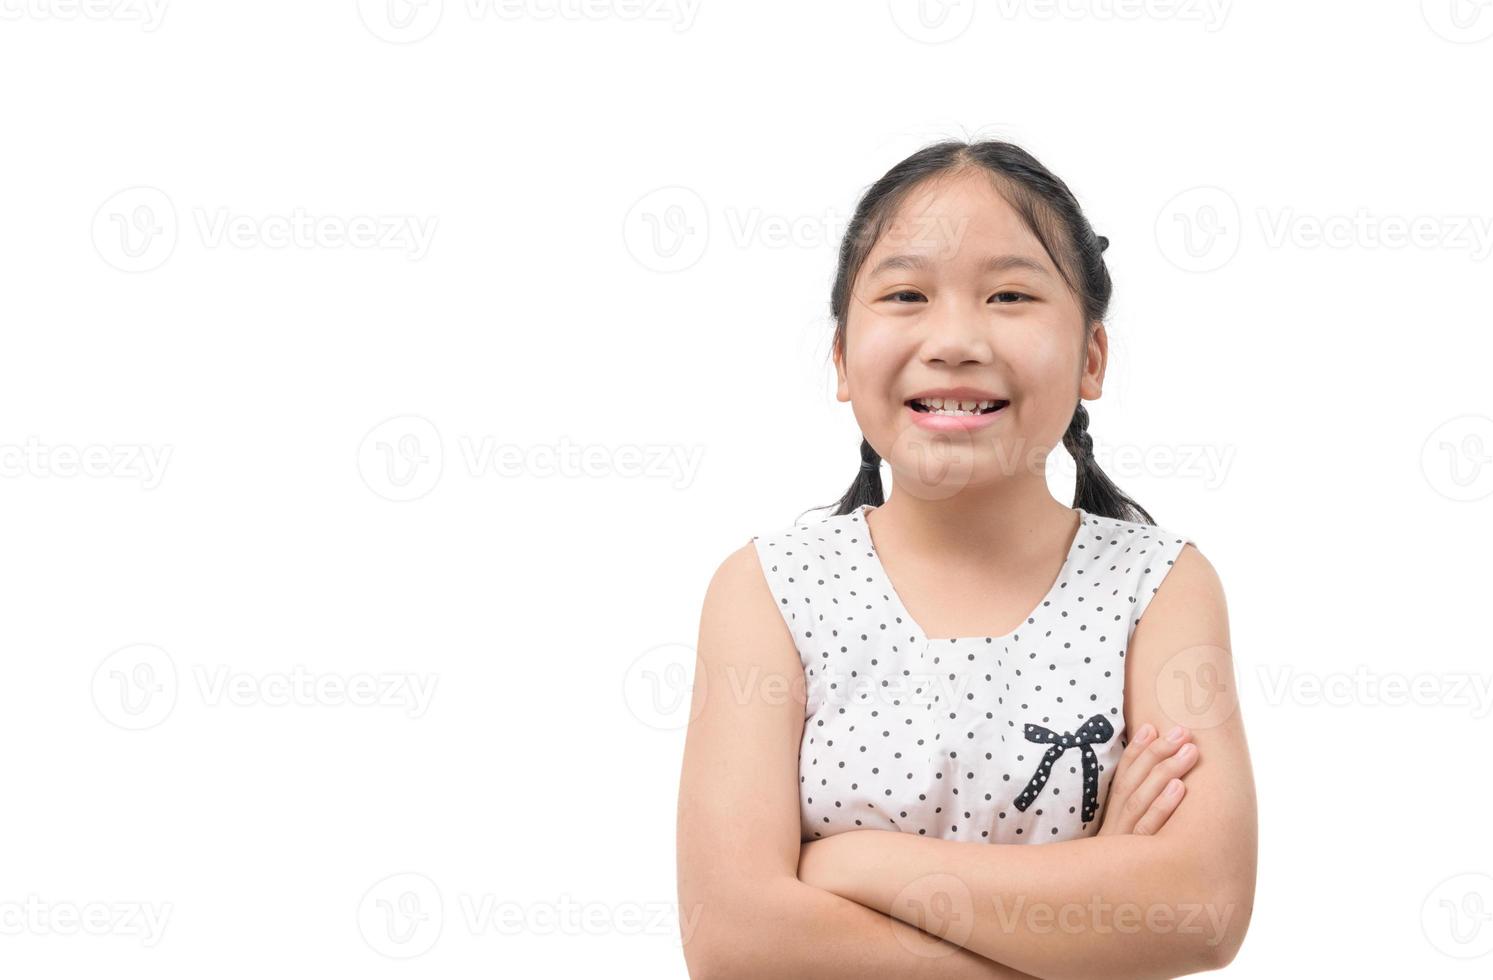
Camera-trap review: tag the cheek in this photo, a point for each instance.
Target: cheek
(1049, 367)
(875, 355)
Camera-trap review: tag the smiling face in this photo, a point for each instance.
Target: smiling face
(964, 351)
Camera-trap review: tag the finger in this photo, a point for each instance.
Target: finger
(1155, 817)
(1150, 756)
(1144, 737)
(1174, 768)
(1136, 746)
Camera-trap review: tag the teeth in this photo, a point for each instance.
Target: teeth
(950, 406)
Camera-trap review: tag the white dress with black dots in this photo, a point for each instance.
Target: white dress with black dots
(997, 739)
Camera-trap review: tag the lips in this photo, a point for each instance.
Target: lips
(961, 393)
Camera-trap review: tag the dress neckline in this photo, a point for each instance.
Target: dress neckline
(885, 581)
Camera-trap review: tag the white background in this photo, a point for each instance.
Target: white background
(630, 219)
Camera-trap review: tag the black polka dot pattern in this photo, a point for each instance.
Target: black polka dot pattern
(944, 737)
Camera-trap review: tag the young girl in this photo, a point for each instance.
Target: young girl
(883, 692)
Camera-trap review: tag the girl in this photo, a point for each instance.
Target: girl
(884, 692)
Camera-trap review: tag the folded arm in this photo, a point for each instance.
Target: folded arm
(1122, 906)
(743, 910)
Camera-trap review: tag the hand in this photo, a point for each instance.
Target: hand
(1147, 785)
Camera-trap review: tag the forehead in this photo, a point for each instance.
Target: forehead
(959, 219)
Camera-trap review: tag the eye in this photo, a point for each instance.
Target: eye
(1009, 292)
(904, 292)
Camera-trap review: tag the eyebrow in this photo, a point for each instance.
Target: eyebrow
(996, 263)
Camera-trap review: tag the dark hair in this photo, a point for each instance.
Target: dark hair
(1052, 213)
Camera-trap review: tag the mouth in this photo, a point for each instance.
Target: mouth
(957, 407)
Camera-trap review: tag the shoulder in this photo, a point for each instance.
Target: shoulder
(1187, 607)
(738, 574)
(1127, 536)
(1180, 665)
(1191, 592)
(740, 621)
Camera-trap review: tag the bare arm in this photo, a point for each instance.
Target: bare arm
(744, 911)
(1123, 906)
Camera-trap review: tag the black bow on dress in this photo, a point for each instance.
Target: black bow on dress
(1096, 731)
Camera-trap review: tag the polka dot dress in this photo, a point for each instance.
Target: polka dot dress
(999, 739)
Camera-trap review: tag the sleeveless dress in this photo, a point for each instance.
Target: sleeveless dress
(995, 739)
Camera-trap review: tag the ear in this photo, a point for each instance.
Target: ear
(1096, 354)
(842, 383)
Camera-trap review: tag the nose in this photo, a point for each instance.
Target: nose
(955, 336)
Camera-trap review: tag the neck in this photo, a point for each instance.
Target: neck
(1006, 518)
